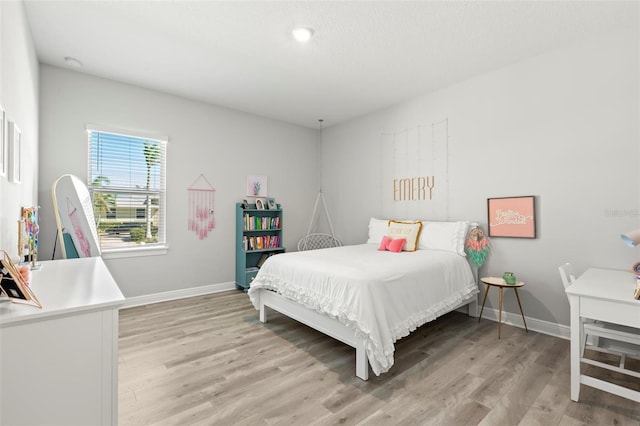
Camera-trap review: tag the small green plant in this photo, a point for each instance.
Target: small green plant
(138, 234)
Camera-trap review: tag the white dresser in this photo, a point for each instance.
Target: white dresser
(59, 364)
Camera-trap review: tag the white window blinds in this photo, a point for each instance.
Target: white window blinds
(127, 178)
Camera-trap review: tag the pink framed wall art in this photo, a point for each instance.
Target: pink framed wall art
(512, 217)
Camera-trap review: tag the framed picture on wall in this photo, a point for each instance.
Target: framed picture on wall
(3, 141)
(15, 153)
(512, 217)
(257, 186)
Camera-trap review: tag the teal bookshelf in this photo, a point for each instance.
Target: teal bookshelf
(258, 236)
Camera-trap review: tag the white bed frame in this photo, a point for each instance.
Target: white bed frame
(331, 326)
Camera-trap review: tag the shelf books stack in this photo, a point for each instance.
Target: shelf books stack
(260, 242)
(252, 223)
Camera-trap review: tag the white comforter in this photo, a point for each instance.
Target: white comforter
(382, 295)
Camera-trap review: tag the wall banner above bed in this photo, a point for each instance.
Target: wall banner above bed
(415, 172)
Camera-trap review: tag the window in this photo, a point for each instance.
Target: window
(127, 182)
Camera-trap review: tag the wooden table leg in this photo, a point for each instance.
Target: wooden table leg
(500, 312)
(486, 292)
(521, 312)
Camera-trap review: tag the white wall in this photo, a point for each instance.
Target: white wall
(19, 98)
(222, 144)
(563, 126)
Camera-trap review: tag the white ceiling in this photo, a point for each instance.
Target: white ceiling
(365, 55)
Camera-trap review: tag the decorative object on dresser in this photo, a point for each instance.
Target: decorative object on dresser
(28, 231)
(258, 236)
(13, 283)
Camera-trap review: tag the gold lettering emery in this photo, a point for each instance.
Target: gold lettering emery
(413, 188)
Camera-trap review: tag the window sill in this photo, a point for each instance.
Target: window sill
(158, 250)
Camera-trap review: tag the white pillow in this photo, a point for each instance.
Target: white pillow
(378, 228)
(449, 236)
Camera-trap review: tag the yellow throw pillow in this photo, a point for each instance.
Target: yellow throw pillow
(408, 230)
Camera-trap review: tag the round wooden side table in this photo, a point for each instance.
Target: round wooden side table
(499, 282)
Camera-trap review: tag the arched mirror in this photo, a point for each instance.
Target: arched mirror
(73, 208)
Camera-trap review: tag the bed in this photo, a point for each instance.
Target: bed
(369, 297)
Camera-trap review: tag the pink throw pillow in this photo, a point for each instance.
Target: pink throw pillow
(384, 244)
(397, 245)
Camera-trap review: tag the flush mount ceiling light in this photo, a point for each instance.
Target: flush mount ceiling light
(302, 34)
(72, 62)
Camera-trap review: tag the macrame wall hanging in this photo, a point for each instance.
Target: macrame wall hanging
(201, 207)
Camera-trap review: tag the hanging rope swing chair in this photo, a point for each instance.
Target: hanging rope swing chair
(314, 241)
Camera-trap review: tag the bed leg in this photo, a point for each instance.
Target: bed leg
(473, 308)
(362, 363)
(263, 312)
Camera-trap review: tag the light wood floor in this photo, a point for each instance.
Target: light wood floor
(208, 361)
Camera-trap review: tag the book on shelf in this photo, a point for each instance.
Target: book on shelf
(253, 223)
(261, 243)
(262, 259)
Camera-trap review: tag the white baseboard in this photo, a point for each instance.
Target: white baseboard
(177, 294)
(533, 324)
